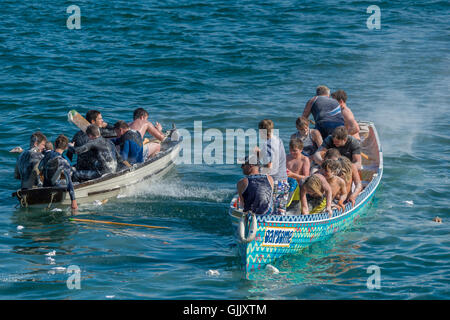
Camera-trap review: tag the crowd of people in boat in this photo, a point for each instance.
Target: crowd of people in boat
(324, 162)
(101, 149)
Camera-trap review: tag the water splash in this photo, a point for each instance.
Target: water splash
(177, 189)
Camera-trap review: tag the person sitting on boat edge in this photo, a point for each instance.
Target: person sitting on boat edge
(142, 125)
(80, 138)
(316, 195)
(325, 110)
(347, 146)
(130, 143)
(26, 169)
(54, 164)
(297, 164)
(311, 138)
(330, 170)
(105, 157)
(255, 189)
(349, 119)
(273, 159)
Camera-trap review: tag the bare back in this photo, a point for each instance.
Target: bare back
(338, 186)
(143, 125)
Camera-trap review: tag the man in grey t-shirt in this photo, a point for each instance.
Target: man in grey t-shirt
(347, 145)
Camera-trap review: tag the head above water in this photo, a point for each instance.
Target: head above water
(140, 113)
(322, 91)
(38, 139)
(93, 131)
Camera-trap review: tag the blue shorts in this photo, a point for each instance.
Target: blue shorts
(327, 128)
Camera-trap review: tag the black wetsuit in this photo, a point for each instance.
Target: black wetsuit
(27, 168)
(105, 158)
(52, 166)
(84, 160)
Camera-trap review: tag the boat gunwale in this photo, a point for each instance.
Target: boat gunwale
(110, 176)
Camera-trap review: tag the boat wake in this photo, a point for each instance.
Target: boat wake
(177, 189)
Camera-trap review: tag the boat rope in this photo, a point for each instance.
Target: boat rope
(51, 200)
(22, 199)
(251, 230)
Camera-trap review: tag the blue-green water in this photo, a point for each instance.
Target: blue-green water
(228, 64)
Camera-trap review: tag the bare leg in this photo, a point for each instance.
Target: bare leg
(153, 148)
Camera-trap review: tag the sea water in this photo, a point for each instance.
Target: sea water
(228, 64)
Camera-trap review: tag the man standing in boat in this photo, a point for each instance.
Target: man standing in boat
(54, 164)
(80, 138)
(142, 125)
(325, 110)
(255, 190)
(27, 164)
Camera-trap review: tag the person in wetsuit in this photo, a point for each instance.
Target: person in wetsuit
(105, 158)
(325, 110)
(54, 164)
(26, 168)
(130, 143)
(84, 161)
(255, 190)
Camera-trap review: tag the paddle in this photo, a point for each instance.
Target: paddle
(117, 223)
(78, 120)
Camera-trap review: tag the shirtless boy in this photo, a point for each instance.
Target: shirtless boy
(297, 164)
(349, 119)
(330, 170)
(142, 125)
(350, 174)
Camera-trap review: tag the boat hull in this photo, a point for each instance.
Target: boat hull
(278, 236)
(105, 187)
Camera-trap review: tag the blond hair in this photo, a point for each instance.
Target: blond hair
(346, 168)
(314, 184)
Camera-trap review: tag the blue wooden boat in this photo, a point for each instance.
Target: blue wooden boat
(263, 239)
